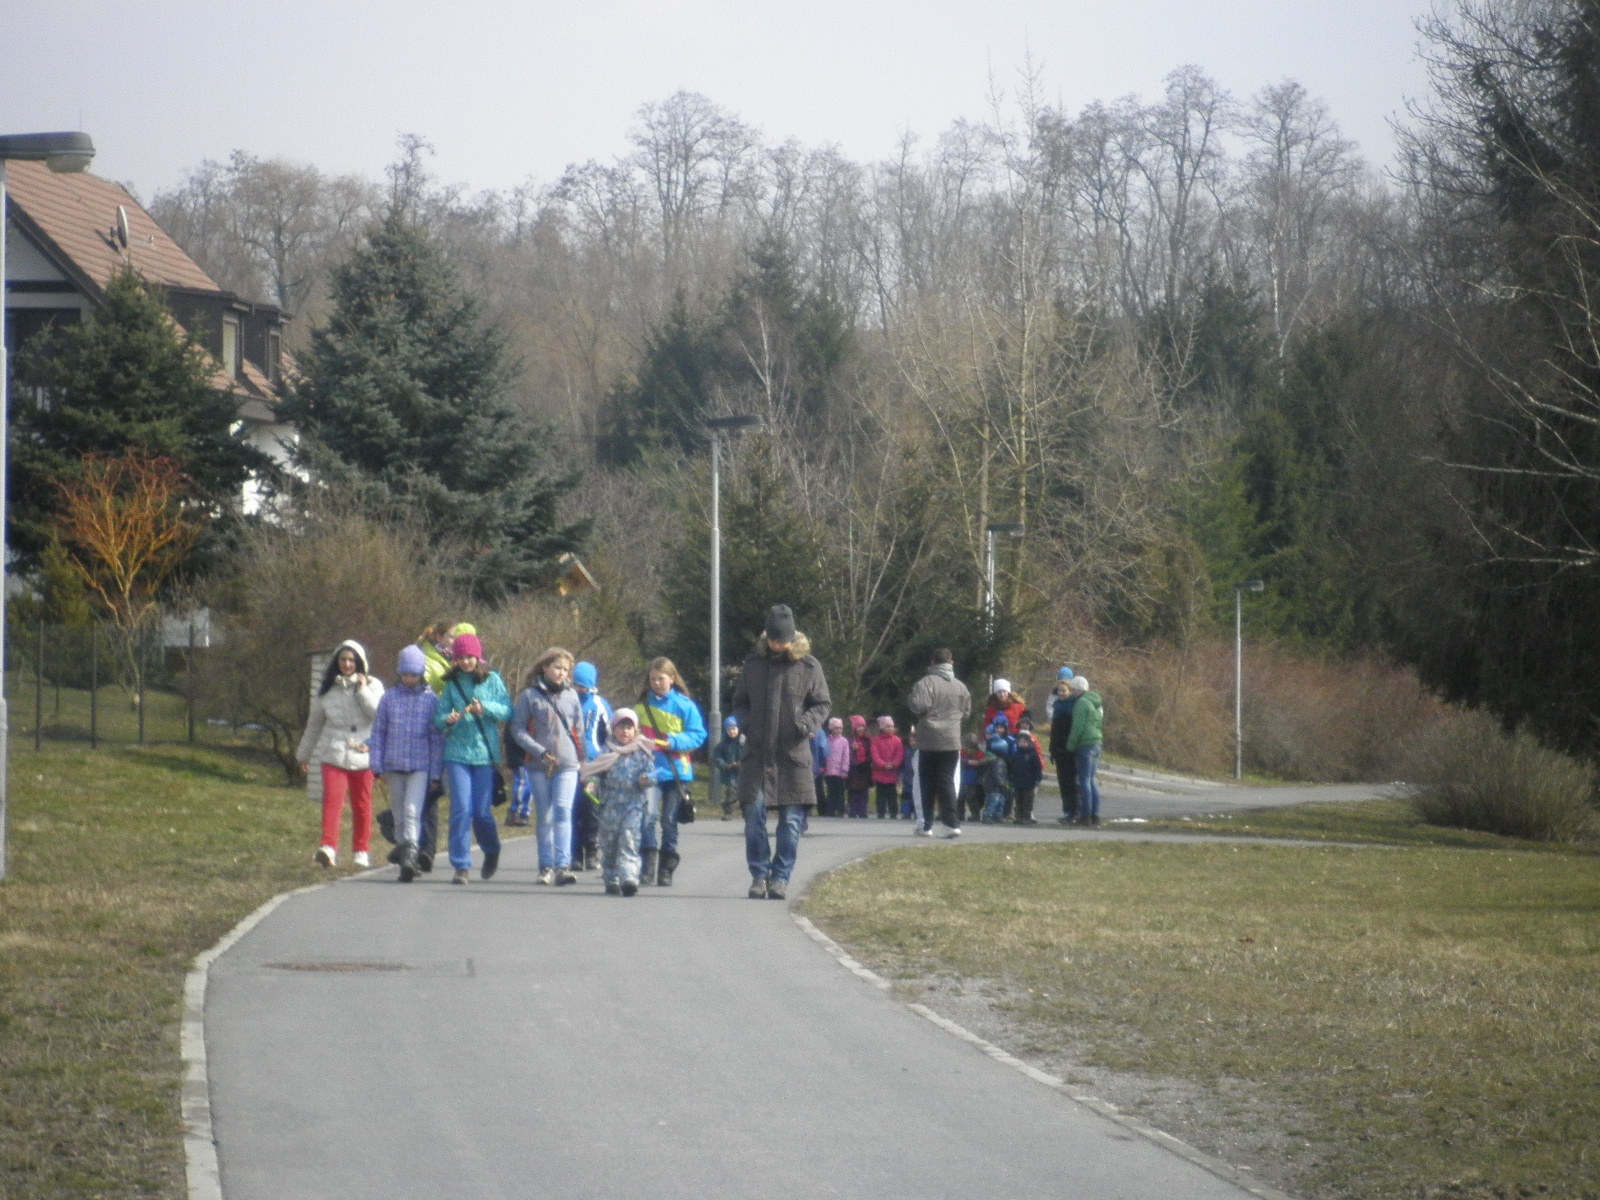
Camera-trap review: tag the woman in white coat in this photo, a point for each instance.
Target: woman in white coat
(336, 737)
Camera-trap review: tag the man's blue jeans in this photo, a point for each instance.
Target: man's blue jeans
(552, 800)
(664, 804)
(1088, 784)
(471, 812)
(764, 863)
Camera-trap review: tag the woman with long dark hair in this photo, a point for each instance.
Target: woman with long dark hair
(336, 736)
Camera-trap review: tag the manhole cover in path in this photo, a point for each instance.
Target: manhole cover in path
(339, 966)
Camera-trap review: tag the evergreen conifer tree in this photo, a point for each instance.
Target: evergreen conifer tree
(403, 394)
(128, 379)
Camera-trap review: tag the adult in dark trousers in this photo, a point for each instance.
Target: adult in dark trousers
(1061, 758)
(1084, 742)
(781, 701)
(940, 703)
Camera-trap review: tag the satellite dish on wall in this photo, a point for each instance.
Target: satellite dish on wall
(122, 226)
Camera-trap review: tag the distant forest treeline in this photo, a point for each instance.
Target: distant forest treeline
(1186, 342)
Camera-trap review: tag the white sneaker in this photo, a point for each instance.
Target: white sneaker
(919, 831)
(327, 856)
(361, 859)
(546, 876)
(948, 832)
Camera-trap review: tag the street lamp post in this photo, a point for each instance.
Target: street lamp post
(64, 153)
(1239, 589)
(1002, 529)
(718, 426)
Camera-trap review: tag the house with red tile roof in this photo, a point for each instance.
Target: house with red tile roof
(67, 235)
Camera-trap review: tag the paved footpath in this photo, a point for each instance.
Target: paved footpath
(688, 1042)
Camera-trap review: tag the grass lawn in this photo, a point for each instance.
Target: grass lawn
(1433, 1009)
(124, 864)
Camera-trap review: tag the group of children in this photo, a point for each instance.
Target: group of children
(1001, 769)
(602, 785)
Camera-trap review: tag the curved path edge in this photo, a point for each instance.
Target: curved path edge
(201, 1171)
(1133, 1125)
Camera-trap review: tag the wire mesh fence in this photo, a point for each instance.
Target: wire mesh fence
(97, 684)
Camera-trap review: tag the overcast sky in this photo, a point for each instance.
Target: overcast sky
(508, 90)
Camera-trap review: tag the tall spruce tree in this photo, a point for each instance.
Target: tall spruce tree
(127, 379)
(1501, 613)
(403, 394)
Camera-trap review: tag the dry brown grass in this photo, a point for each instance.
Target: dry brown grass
(1305, 717)
(1433, 1008)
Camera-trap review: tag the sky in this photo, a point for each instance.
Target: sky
(507, 92)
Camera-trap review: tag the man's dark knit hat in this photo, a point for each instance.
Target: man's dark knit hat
(780, 624)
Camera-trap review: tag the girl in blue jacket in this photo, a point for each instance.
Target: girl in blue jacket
(673, 722)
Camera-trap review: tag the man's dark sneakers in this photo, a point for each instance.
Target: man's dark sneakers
(758, 889)
(629, 888)
(776, 889)
(491, 863)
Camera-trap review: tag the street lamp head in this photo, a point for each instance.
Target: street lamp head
(1250, 585)
(1008, 528)
(63, 153)
(729, 424)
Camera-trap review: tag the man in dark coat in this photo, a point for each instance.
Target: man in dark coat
(782, 699)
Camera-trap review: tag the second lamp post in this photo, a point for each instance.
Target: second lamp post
(1239, 589)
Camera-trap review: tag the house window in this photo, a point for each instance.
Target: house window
(25, 323)
(230, 346)
(274, 352)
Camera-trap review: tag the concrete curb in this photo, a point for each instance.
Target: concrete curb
(1182, 1149)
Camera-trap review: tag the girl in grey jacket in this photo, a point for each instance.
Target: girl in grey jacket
(547, 723)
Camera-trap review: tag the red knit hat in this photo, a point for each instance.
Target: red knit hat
(466, 645)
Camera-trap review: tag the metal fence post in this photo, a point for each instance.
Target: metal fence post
(38, 690)
(143, 662)
(190, 665)
(94, 685)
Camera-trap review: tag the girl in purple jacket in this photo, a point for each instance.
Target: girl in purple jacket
(406, 751)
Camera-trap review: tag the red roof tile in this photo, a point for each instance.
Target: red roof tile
(77, 212)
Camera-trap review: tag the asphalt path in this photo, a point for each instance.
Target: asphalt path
(509, 1040)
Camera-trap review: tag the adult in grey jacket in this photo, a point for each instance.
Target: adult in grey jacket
(941, 703)
(782, 699)
(547, 722)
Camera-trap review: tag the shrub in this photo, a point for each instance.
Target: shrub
(1471, 774)
(298, 589)
(594, 630)
(1306, 717)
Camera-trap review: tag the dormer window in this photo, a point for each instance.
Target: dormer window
(230, 347)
